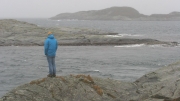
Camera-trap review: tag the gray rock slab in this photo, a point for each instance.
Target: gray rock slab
(160, 85)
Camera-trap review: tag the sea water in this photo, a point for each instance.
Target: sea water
(22, 64)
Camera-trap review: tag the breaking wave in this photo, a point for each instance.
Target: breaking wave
(124, 35)
(129, 46)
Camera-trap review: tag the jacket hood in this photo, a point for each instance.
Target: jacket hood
(51, 36)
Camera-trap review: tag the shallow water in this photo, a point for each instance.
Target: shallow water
(19, 64)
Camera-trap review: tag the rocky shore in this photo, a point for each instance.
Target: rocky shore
(16, 33)
(160, 85)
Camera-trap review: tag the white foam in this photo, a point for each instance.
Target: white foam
(129, 46)
(71, 20)
(96, 70)
(113, 36)
(67, 20)
(124, 35)
(160, 45)
(178, 44)
(129, 35)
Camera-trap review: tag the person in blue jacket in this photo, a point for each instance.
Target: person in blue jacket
(50, 48)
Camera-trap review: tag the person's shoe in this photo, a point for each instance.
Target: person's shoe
(54, 75)
(49, 75)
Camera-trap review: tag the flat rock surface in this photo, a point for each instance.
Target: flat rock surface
(160, 85)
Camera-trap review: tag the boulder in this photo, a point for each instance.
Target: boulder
(163, 83)
(72, 88)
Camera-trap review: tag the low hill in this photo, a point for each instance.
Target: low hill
(171, 16)
(115, 13)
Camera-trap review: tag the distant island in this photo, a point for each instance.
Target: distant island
(117, 13)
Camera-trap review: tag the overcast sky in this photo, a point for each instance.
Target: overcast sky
(49, 8)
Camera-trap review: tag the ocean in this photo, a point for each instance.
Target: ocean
(22, 64)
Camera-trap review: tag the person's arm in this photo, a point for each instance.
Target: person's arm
(45, 46)
(56, 45)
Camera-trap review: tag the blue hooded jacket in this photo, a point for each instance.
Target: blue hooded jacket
(50, 46)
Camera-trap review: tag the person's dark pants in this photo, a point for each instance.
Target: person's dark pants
(52, 66)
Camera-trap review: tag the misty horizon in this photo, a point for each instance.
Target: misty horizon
(95, 10)
(47, 9)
